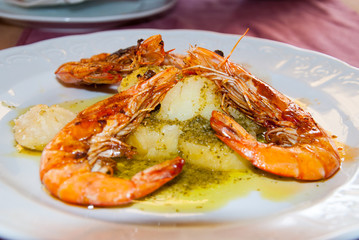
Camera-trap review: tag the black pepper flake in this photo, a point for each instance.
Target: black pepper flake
(149, 73)
(79, 155)
(102, 122)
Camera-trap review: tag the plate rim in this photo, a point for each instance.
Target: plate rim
(86, 20)
(144, 30)
(159, 30)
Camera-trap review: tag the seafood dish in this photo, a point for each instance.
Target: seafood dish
(78, 165)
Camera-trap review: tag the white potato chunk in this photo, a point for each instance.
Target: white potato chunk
(183, 127)
(155, 143)
(216, 157)
(193, 96)
(131, 79)
(35, 128)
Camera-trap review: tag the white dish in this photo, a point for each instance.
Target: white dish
(89, 12)
(326, 209)
(37, 3)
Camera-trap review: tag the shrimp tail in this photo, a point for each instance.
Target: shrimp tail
(152, 178)
(102, 190)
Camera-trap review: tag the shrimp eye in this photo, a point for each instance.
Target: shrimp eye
(139, 41)
(79, 155)
(102, 122)
(148, 74)
(219, 52)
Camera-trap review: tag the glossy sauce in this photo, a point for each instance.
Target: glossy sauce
(198, 189)
(347, 153)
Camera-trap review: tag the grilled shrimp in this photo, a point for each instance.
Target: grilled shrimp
(296, 146)
(105, 68)
(77, 165)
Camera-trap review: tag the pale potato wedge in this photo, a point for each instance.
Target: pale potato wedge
(216, 157)
(132, 78)
(155, 143)
(192, 96)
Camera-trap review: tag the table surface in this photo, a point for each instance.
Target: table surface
(10, 34)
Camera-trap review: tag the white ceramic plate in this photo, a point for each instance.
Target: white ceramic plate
(90, 12)
(326, 209)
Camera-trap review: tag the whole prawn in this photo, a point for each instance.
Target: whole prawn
(77, 165)
(105, 68)
(296, 146)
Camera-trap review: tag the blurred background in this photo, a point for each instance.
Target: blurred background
(326, 26)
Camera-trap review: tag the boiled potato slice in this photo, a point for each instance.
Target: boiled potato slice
(132, 78)
(215, 157)
(155, 143)
(192, 96)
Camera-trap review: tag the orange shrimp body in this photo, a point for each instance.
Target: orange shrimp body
(77, 165)
(105, 68)
(296, 147)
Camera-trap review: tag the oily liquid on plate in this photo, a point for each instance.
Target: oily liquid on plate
(198, 189)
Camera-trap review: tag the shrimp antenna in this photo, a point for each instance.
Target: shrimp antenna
(229, 55)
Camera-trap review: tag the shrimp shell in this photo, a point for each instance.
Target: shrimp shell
(105, 68)
(74, 165)
(296, 147)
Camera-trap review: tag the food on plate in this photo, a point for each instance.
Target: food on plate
(77, 165)
(181, 125)
(214, 155)
(193, 96)
(106, 68)
(35, 128)
(296, 146)
(200, 107)
(138, 74)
